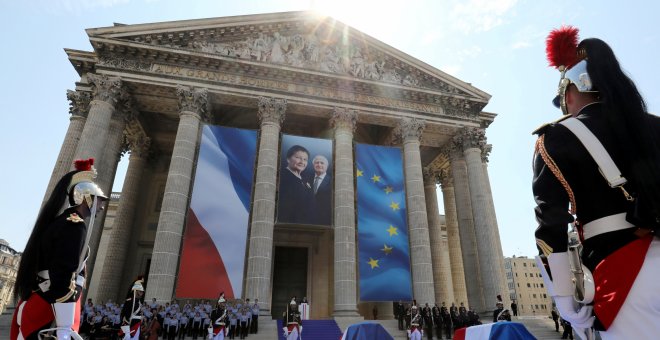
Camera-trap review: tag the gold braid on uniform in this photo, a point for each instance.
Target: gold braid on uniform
(540, 148)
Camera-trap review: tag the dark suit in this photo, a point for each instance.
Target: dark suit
(295, 199)
(323, 201)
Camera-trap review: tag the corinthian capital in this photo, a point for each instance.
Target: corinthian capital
(193, 100)
(473, 138)
(430, 175)
(271, 110)
(79, 102)
(446, 178)
(343, 118)
(410, 129)
(485, 152)
(105, 88)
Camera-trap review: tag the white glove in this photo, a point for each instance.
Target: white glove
(286, 331)
(579, 317)
(64, 315)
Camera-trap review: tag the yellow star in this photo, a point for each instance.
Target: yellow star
(392, 230)
(373, 263)
(375, 178)
(394, 206)
(359, 173)
(388, 189)
(386, 249)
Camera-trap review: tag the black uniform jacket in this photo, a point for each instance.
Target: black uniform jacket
(60, 248)
(560, 154)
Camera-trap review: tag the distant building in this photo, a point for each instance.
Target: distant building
(9, 260)
(526, 286)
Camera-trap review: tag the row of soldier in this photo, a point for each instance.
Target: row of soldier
(173, 320)
(430, 320)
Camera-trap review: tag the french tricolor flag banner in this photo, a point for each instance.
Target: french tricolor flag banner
(214, 243)
(494, 331)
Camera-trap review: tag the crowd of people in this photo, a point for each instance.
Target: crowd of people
(172, 320)
(434, 320)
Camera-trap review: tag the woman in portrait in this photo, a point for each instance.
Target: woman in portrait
(296, 193)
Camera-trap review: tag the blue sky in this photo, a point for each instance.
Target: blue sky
(496, 45)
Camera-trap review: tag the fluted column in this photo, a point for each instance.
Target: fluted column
(466, 225)
(442, 279)
(193, 105)
(410, 131)
(107, 169)
(94, 136)
(345, 292)
(489, 257)
(453, 238)
(260, 252)
(111, 276)
(485, 152)
(78, 108)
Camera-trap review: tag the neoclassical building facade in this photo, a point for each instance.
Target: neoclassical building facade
(148, 89)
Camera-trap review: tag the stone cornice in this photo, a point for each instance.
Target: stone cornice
(193, 100)
(79, 102)
(271, 110)
(212, 68)
(344, 119)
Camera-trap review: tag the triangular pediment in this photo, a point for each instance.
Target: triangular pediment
(298, 40)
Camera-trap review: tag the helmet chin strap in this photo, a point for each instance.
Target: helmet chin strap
(90, 227)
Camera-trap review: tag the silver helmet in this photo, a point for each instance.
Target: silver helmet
(82, 186)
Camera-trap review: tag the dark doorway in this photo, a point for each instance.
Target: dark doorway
(289, 277)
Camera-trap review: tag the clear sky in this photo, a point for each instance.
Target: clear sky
(496, 45)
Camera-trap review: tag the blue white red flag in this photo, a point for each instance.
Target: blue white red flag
(213, 255)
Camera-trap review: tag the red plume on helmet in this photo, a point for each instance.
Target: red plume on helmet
(84, 164)
(561, 47)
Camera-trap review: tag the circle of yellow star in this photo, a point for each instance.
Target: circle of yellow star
(392, 230)
(373, 263)
(394, 206)
(359, 173)
(375, 178)
(388, 189)
(387, 250)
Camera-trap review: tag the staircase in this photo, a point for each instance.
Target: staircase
(315, 329)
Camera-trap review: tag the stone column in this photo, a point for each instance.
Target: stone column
(94, 136)
(466, 225)
(79, 107)
(111, 276)
(260, 252)
(193, 104)
(107, 168)
(410, 131)
(345, 292)
(453, 238)
(493, 218)
(442, 279)
(489, 258)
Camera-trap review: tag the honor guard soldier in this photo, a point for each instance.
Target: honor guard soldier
(218, 326)
(292, 322)
(598, 168)
(131, 313)
(52, 271)
(416, 330)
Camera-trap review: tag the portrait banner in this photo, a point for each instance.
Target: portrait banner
(383, 248)
(306, 185)
(214, 242)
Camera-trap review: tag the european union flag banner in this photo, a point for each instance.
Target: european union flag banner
(383, 248)
(214, 243)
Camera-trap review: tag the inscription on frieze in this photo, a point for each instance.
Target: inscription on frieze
(294, 88)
